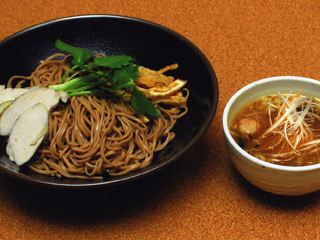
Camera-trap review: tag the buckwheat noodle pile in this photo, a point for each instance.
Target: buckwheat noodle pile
(89, 136)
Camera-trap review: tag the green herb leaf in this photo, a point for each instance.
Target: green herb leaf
(75, 83)
(80, 55)
(142, 104)
(128, 73)
(103, 76)
(115, 61)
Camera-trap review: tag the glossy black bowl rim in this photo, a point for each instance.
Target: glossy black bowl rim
(161, 165)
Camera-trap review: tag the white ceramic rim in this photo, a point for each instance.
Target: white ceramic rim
(243, 152)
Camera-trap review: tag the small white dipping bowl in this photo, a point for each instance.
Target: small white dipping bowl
(284, 180)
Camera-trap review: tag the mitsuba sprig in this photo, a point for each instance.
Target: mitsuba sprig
(103, 76)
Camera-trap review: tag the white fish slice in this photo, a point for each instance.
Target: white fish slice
(27, 133)
(10, 94)
(47, 96)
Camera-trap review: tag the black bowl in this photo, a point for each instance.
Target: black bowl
(153, 46)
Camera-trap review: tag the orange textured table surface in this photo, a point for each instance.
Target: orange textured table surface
(201, 196)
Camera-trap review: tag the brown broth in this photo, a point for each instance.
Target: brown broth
(273, 147)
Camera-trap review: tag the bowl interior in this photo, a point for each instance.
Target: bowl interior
(153, 45)
(267, 86)
(283, 84)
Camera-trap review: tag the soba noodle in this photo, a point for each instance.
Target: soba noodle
(89, 136)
